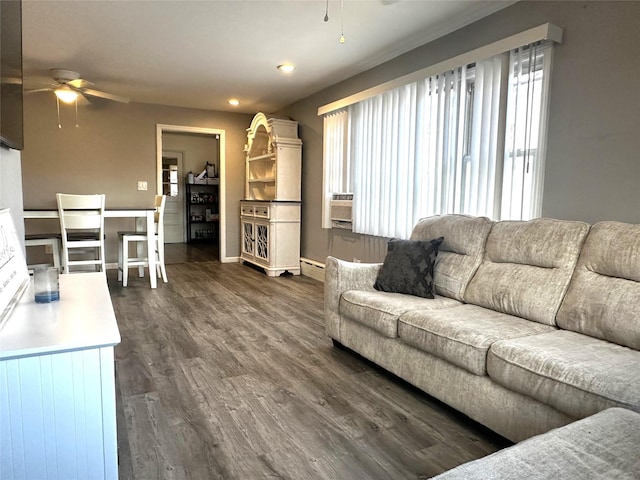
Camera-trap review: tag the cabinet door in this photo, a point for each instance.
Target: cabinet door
(262, 241)
(247, 237)
(58, 416)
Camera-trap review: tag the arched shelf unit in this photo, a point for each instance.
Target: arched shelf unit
(270, 212)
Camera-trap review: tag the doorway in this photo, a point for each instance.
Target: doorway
(161, 147)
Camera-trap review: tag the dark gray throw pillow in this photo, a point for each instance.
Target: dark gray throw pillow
(408, 267)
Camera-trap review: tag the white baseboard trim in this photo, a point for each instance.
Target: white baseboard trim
(308, 267)
(313, 269)
(231, 260)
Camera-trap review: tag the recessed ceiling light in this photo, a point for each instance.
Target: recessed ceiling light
(234, 101)
(286, 67)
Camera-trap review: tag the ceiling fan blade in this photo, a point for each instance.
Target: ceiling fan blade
(108, 96)
(83, 100)
(11, 81)
(79, 83)
(37, 90)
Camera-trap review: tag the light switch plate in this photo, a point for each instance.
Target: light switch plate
(142, 185)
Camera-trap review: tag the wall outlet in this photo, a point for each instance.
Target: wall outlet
(142, 185)
(48, 249)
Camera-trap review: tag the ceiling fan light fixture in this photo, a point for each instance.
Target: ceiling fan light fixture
(286, 67)
(66, 95)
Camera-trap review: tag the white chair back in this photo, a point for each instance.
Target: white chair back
(82, 228)
(159, 203)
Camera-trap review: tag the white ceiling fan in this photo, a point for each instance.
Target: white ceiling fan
(69, 86)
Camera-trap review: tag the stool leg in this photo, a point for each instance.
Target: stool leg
(125, 263)
(140, 255)
(120, 258)
(161, 266)
(55, 247)
(65, 257)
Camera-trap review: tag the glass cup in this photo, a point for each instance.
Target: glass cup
(46, 284)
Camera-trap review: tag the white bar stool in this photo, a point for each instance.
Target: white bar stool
(44, 239)
(125, 261)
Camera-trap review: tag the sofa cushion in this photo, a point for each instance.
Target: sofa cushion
(462, 335)
(527, 267)
(460, 253)
(380, 310)
(408, 267)
(603, 299)
(603, 446)
(573, 373)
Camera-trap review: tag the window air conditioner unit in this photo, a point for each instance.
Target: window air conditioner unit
(341, 208)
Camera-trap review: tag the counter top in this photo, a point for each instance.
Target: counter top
(83, 318)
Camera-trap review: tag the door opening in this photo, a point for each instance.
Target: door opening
(162, 147)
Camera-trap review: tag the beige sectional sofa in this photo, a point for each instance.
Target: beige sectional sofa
(534, 324)
(603, 446)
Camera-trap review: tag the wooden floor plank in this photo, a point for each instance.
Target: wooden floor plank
(224, 373)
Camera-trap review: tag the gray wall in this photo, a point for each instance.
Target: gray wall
(197, 150)
(593, 157)
(114, 147)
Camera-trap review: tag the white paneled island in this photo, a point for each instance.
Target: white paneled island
(57, 384)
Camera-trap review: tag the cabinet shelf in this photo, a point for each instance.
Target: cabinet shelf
(199, 229)
(262, 180)
(267, 156)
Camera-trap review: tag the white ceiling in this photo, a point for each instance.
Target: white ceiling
(201, 53)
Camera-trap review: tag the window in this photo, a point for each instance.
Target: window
(336, 168)
(469, 140)
(524, 152)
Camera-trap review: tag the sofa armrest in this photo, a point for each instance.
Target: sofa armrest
(340, 277)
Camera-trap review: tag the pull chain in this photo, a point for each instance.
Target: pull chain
(58, 105)
(342, 39)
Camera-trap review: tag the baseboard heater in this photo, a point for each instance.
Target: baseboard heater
(311, 268)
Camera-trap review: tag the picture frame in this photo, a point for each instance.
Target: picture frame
(14, 274)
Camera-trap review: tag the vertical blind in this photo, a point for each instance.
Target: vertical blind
(525, 145)
(335, 163)
(469, 140)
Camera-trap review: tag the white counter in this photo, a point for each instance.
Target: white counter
(57, 384)
(82, 318)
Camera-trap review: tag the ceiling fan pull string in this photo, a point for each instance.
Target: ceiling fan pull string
(76, 112)
(58, 105)
(342, 39)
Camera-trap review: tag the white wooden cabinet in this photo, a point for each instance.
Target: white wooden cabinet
(57, 384)
(270, 213)
(271, 235)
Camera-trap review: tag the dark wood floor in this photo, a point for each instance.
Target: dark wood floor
(190, 252)
(224, 373)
